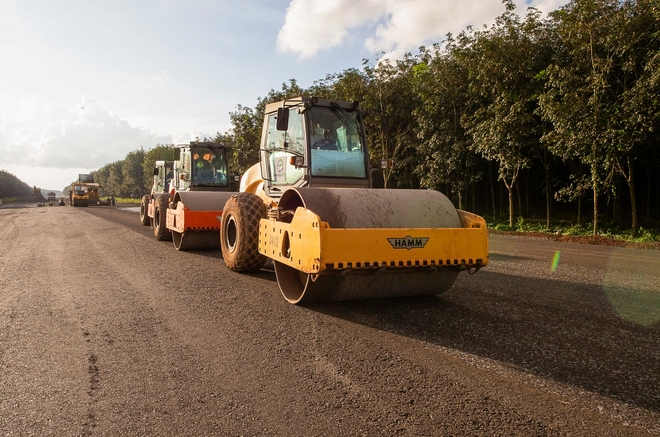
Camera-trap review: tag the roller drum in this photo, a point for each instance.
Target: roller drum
(196, 240)
(369, 208)
(198, 205)
(203, 200)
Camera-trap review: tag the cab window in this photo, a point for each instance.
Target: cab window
(337, 149)
(281, 146)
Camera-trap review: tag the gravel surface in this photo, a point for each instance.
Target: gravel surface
(106, 331)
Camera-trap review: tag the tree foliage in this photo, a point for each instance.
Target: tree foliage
(527, 115)
(11, 186)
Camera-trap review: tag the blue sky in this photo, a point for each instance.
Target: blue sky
(82, 83)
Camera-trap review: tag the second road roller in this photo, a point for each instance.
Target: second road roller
(310, 206)
(187, 196)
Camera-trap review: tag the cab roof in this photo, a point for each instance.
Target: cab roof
(311, 101)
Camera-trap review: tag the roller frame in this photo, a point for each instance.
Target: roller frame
(182, 219)
(193, 219)
(317, 249)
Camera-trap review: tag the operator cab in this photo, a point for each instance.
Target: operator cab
(202, 167)
(80, 189)
(313, 141)
(163, 174)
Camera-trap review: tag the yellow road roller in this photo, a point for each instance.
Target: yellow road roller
(309, 206)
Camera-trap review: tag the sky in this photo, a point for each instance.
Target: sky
(82, 83)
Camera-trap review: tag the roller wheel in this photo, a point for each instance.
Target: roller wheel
(239, 232)
(144, 209)
(159, 221)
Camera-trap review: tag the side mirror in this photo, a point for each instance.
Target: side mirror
(377, 179)
(282, 119)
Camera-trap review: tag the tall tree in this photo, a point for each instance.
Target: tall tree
(637, 49)
(578, 99)
(115, 182)
(133, 174)
(391, 128)
(441, 82)
(502, 73)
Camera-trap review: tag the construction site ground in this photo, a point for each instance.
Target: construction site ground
(106, 331)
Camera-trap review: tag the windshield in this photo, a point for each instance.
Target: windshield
(336, 144)
(281, 146)
(209, 167)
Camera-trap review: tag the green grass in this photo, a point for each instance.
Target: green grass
(9, 199)
(614, 230)
(126, 200)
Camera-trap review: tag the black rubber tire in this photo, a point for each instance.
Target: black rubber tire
(239, 232)
(144, 209)
(159, 221)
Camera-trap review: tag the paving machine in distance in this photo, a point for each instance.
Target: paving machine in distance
(85, 192)
(187, 196)
(309, 206)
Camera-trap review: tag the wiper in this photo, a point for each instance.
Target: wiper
(344, 116)
(282, 149)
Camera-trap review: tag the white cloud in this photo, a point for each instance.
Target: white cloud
(397, 26)
(311, 25)
(85, 136)
(49, 145)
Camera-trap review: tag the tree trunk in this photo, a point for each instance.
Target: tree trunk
(500, 199)
(527, 197)
(492, 190)
(548, 197)
(510, 188)
(579, 210)
(596, 188)
(633, 198)
(649, 187)
(520, 207)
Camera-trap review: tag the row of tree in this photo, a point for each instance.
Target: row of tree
(526, 115)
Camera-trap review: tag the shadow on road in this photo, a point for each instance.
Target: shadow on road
(502, 257)
(564, 331)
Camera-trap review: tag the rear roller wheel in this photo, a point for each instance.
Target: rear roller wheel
(239, 232)
(144, 208)
(195, 240)
(159, 221)
(365, 209)
(298, 287)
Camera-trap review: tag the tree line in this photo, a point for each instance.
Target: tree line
(528, 117)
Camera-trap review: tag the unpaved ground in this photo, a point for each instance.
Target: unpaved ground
(105, 331)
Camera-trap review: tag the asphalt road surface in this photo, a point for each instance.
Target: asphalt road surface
(106, 331)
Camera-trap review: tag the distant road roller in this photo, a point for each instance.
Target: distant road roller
(188, 195)
(309, 206)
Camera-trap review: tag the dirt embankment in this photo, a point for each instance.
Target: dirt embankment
(32, 198)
